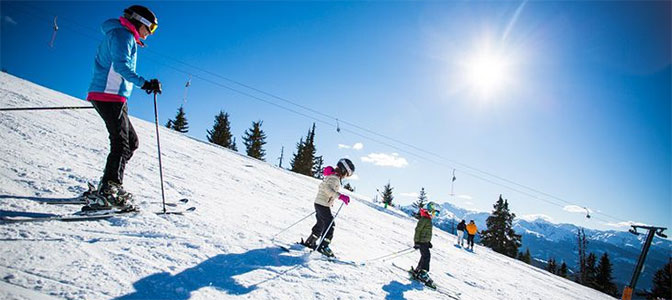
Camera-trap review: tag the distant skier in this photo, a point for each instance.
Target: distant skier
(328, 192)
(460, 233)
(423, 241)
(471, 230)
(113, 79)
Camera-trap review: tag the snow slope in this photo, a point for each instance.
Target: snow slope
(220, 251)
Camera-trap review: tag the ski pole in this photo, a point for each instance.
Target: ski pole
(391, 255)
(158, 145)
(324, 235)
(45, 108)
(290, 226)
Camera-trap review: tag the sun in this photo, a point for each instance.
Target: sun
(487, 73)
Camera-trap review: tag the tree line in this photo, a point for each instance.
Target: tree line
(305, 160)
(591, 272)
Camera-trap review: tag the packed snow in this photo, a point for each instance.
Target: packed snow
(223, 249)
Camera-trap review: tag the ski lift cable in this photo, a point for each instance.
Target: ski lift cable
(36, 15)
(351, 124)
(337, 123)
(365, 129)
(334, 118)
(465, 172)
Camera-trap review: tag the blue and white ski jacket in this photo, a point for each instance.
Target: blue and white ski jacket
(114, 67)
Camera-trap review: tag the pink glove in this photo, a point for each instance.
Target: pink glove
(344, 198)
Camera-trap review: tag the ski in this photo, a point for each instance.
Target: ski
(412, 277)
(436, 288)
(91, 215)
(80, 216)
(302, 248)
(294, 247)
(177, 212)
(337, 260)
(76, 200)
(82, 201)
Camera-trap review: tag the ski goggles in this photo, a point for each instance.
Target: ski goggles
(151, 26)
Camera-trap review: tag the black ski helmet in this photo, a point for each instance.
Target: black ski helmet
(140, 15)
(345, 165)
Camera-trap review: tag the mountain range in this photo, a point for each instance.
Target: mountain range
(550, 240)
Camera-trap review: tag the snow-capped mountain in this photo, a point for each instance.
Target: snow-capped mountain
(224, 249)
(550, 240)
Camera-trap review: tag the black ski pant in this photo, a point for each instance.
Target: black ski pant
(324, 218)
(123, 140)
(470, 240)
(425, 256)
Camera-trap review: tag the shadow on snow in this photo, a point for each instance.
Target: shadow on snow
(217, 272)
(395, 290)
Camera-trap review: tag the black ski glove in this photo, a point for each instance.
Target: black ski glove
(430, 245)
(416, 246)
(152, 86)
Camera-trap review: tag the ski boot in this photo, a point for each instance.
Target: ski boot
(110, 195)
(95, 201)
(309, 242)
(423, 276)
(325, 250)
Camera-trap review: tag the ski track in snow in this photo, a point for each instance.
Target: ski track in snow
(223, 249)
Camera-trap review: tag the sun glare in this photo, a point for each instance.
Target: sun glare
(487, 73)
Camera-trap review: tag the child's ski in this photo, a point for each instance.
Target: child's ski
(434, 287)
(302, 248)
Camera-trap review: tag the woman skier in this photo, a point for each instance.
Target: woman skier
(113, 79)
(423, 241)
(328, 192)
(471, 230)
(460, 233)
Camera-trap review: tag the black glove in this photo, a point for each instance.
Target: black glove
(416, 246)
(152, 86)
(430, 245)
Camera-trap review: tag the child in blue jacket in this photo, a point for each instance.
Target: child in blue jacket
(113, 79)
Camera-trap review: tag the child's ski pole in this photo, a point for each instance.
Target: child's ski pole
(324, 235)
(290, 226)
(390, 256)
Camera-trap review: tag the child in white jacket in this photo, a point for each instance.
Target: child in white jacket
(326, 194)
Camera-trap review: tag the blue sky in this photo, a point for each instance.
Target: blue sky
(569, 98)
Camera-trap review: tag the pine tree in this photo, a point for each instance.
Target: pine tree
(180, 123)
(387, 194)
(420, 203)
(254, 141)
(562, 272)
(221, 132)
(552, 266)
(304, 159)
(591, 270)
(295, 165)
(349, 187)
(318, 167)
(603, 278)
(500, 235)
(525, 257)
(582, 244)
(662, 282)
(233, 145)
